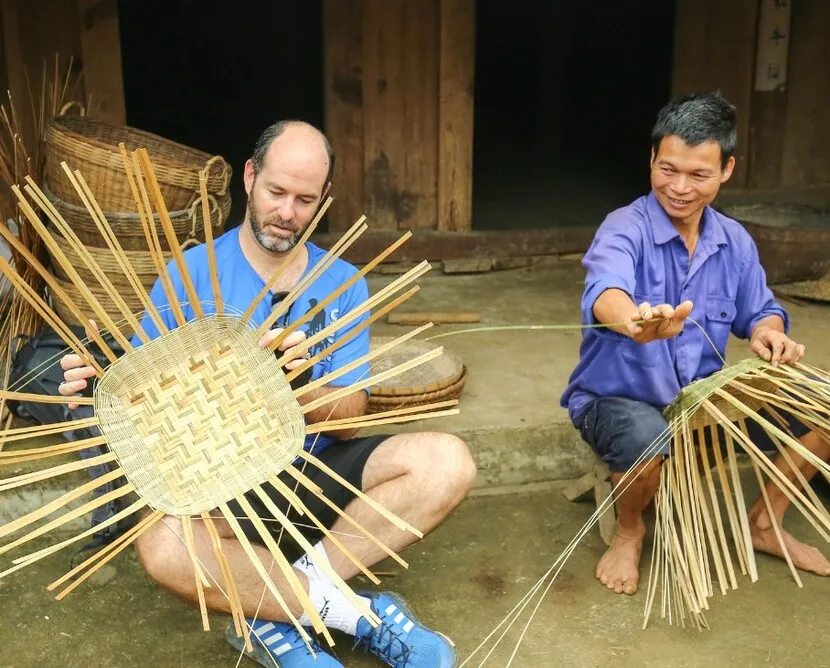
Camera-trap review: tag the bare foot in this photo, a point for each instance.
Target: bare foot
(805, 557)
(619, 567)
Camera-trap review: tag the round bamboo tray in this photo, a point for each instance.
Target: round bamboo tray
(440, 379)
(91, 147)
(188, 223)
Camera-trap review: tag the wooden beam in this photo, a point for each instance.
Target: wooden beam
(455, 114)
(420, 115)
(383, 109)
(101, 54)
(436, 246)
(15, 64)
(806, 159)
(343, 67)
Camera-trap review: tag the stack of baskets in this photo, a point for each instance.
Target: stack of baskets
(91, 147)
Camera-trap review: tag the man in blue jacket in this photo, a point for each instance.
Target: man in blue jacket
(654, 264)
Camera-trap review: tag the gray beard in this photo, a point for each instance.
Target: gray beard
(272, 244)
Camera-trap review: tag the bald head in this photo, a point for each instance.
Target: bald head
(301, 140)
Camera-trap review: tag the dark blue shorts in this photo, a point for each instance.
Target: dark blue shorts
(621, 430)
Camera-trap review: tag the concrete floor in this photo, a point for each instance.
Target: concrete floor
(467, 575)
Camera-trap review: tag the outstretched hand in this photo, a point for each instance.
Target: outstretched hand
(649, 323)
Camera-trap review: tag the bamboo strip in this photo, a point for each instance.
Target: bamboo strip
(372, 380)
(774, 523)
(45, 398)
(391, 517)
(285, 490)
(231, 593)
(153, 244)
(321, 563)
(362, 424)
(348, 336)
(45, 552)
(355, 313)
(78, 246)
(201, 580)
(69, 516)
(306, 482)
(104, 555)
(37, 476)
(348, 238)
(170, 233)
(275, 277)
(288, 571)
(123, 260)
(57, 504)
(731, 512)
(426, 410)
(76, 280)
(346, 368)
(59, 293)
(209, 245)
(257, 564)
(345, 286)
(12, 457)
(23, 433)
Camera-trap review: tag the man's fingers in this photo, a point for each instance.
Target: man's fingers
(760, 349)
(791, 353)
(683, 310)
(293, 364)
(293, 339)
(802, 351)
(90, 328)
(68, 389)
(777, 350)
(645, 311)
(269, 337)
(71, 361)
(78, 373)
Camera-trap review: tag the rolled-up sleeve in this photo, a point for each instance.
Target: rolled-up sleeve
(610, 263)
(754, 301)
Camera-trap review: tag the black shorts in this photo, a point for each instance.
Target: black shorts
(347, 458)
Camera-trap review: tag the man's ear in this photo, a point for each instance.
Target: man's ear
(249, 176)
(653, 156)
(727, 171)
(326, 192)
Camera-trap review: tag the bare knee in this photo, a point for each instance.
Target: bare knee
(160, 549)
(448, 466)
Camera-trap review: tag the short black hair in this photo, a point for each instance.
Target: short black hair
(275, 130)
(696, 119)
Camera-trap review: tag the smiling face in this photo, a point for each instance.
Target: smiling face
(285, 194)
(687, 178)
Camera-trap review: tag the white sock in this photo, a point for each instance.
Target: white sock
(334, 608)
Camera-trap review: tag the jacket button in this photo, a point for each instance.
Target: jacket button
(723, 314)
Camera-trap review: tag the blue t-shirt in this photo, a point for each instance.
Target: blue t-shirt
(240, 284)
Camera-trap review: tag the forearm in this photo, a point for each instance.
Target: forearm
(771, 322)
(351, 406)
(614, 307)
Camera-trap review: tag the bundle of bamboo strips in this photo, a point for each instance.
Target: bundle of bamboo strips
(22, 155)
(251, 426)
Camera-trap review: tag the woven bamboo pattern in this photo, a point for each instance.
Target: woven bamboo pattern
(199, 416)
(92, 147)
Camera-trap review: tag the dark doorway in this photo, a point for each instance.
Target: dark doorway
(565, 97)
(213, 74)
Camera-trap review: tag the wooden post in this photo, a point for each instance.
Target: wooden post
(455, 115)
(101, 54)
(343, 63)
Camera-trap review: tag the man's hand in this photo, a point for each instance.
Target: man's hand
(290, 347)
(75, 371)
(775, 346)
(661, 322)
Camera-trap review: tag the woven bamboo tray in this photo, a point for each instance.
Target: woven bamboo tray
(188, 223)
(441, 379)
(92, 147)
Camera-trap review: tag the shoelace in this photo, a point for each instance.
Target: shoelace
(384, 638)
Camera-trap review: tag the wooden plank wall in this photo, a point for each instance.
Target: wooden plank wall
(715, 50)
(101, 53)
(784, 134)
(398, 133)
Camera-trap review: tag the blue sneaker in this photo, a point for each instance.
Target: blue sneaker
(401, 640)
(280, 644)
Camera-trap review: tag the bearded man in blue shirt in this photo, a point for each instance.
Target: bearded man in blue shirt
(420, 477)
(654, 264)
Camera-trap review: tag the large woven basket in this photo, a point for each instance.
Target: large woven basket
(188, 223)
(440, 379)
(92, 147)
